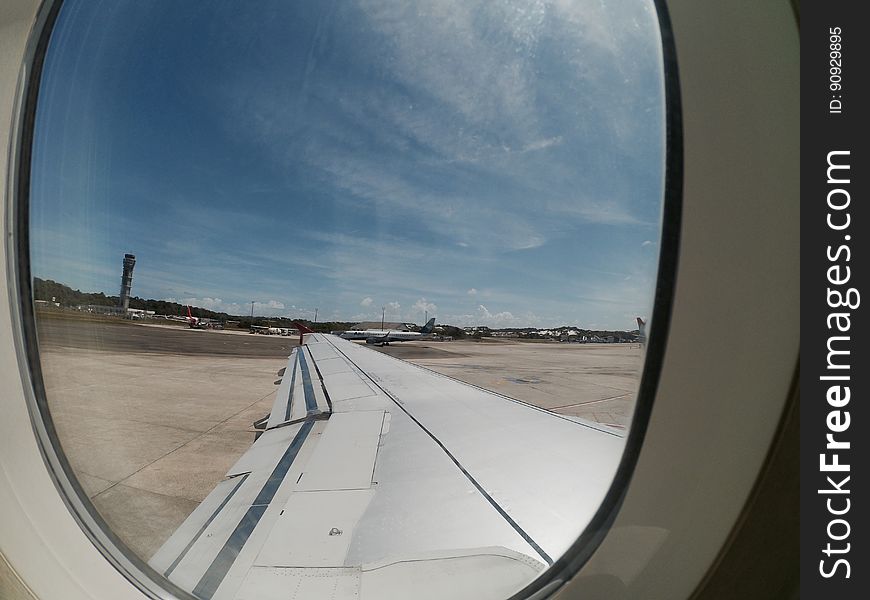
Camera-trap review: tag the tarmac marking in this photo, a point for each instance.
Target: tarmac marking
(591, 401)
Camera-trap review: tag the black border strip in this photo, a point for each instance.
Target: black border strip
(310, 400)
(292, 386)
(227, 555)
(205, 525)
(318, 340)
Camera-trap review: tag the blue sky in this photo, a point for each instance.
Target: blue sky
(492, 163)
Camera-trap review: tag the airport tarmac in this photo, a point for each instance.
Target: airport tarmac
(597, 382)
(151, 418)
(130, 336)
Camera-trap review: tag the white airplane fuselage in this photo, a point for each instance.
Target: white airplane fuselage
(381, 335)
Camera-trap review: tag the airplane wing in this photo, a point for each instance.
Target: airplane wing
(376, 478)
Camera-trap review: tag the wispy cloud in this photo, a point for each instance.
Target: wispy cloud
(424, 306)
(268, 308)
(494, 161)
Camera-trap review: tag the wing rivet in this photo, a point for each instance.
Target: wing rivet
(335, 531)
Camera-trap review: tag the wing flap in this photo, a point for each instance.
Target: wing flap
(345, 458)
(276, 583)
(457, 575)
(178, 545)
(314, 529)
(266, 451)
(301, 393)
(200, 553)
(284, 395)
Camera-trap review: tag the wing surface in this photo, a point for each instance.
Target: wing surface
(374, 474)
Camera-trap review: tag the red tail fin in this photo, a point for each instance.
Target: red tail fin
(302, 331)
(302, 328)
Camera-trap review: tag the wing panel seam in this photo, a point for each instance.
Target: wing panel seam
(516, 526)
(205, 525)
(227, 555)
(292, 386)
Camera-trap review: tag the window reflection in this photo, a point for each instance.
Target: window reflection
(212, 180)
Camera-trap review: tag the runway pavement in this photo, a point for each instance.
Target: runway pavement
(151, 418)
(597, 382)
(112, 335)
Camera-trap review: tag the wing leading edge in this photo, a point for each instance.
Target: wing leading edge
(373, 474)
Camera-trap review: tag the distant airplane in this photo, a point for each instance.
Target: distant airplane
(201, 322)
(385, 336)
(641, 330)
(193, 322)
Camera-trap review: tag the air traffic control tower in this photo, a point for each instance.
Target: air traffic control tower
(126, 281)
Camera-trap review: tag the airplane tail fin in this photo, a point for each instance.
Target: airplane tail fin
(302, 328)
(429, 326)
(302, 331)
(641, 330)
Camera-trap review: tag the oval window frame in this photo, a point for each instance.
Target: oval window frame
(130, 565)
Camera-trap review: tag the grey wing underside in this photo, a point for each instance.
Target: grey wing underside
(374, 475)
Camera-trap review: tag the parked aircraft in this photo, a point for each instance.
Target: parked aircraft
(702, 506)
(193, 322)
(383, 337)
(201, 322)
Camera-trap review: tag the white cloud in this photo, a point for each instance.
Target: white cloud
(472, 96)
(647, 243)
(472, 292)
(489, 221)
(422, 305)
(542, 144)
(393, 306)
(441, 49)
(270, 307)
(367, 301)
(503, 318)
(271, 304)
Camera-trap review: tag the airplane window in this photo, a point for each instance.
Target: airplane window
(338, 297)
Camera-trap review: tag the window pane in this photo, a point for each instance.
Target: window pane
(474, 188)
